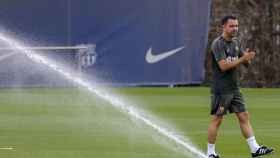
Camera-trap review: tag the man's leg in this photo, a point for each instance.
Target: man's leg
(212, 133)
(247, 130)
(248, 133)
(245, 124)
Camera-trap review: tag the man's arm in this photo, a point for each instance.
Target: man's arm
(246, 58)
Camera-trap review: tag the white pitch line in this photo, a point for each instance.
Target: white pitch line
(6, 148)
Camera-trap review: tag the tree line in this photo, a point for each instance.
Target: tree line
(259, 30)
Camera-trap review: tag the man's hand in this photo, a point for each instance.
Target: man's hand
(248, 56)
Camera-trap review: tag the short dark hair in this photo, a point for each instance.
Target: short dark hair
(228, 17)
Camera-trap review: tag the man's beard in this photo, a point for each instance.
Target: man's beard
(233, 34)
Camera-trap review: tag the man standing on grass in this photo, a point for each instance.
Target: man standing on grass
(227, 55)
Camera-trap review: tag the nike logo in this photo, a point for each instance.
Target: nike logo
(154, 58)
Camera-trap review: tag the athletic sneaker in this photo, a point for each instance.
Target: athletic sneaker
(263, 150)
(213, 156)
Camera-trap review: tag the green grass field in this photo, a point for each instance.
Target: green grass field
(70, 123)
